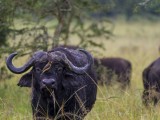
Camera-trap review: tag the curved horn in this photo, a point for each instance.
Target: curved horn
(78, 70)
(25, 67)
(81, 70)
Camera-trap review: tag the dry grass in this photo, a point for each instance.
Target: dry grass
(135, 41)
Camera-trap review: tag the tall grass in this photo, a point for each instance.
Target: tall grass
(135, 41)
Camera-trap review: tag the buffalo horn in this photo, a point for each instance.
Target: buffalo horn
(78, 70)
(25, 67)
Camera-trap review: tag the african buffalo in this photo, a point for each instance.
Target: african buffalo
(63, 83)
(151, 83)
(110, 69)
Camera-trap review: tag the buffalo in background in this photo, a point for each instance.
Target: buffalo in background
(151, 83)
(63, 83)
(111, 70)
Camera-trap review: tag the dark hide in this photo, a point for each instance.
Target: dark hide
(108, 68)
(71, 96)
(151, 82)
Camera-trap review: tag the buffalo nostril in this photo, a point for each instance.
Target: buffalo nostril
(48, 82)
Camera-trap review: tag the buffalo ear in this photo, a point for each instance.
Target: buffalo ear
(25, 80)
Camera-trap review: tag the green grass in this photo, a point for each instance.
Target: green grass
(135, 41)
(14, 101)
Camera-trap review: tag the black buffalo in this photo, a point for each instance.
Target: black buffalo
(151, 83)
(63, 83)
(113, 69)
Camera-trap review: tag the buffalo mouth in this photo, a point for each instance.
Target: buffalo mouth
(47, 91)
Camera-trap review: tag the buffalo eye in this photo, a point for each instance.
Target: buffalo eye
(38, 70)
(59, 69)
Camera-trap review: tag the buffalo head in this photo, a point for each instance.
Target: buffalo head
(48, 68)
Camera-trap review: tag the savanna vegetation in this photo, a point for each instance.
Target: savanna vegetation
(135, 41)
(135, 38)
